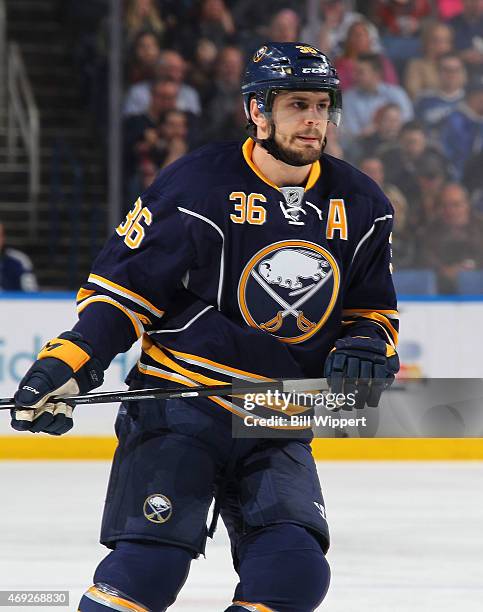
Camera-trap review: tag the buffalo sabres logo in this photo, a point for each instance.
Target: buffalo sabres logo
(260, 53)
(289, 289)
(158, 508)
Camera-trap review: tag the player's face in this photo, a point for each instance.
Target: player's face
(301, 119)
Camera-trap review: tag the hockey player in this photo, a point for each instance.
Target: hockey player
(247, 262)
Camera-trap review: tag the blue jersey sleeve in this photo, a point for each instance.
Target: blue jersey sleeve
(135, 277)
(370, 305)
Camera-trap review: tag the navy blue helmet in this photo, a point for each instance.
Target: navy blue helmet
(290, 66)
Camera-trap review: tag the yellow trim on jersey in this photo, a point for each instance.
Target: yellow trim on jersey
(156, 353)
(143, 318)
(247, 150)
(127, 293)
(182, 381)
(351, 311)
(222, 366)
(313, 176)
(82, 294)
(65, 350)
(158, 373)
(137, 324)
(383, 328)
(106, 598)
(376, 316)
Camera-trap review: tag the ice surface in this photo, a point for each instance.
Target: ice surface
(406, 537)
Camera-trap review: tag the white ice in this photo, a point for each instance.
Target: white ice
(406, 537)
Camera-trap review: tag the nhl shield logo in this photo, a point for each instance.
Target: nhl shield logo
(158, 508)
(289, 289)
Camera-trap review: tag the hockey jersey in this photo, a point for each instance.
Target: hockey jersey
(227, 276)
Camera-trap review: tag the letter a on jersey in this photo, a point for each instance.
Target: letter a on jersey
(289, 289)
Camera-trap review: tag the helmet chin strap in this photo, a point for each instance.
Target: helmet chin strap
(270, 145)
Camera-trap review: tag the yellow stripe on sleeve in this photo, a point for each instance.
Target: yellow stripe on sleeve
(127, 293)
(189, 378)
(137, 324)
(156, 353)
(225, 369)
(382, 317)
(82, 294)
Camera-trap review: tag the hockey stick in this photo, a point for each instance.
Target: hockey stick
(297, 385)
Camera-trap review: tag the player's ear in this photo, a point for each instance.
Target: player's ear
(258, 118)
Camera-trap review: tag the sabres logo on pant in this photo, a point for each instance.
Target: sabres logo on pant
(158, 508)
(289, 289)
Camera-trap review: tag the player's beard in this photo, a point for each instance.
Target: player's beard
(295, 156)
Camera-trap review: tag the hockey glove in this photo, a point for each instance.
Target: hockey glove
(65, 366)
(363, 366)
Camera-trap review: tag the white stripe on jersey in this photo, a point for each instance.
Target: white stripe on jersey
(368, 233)
(214, 225)
(179, 329)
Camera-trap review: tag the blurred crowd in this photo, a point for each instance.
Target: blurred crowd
(412, 79)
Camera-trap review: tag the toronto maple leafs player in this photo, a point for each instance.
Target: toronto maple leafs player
(253, 261)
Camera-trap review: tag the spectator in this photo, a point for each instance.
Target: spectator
(225, 92)
(16, 270)
(388, 123)
(141, 132)
(357, 44)
(433, 106)
(173, 67)
(468, 35)
(462, 132)
(143, 16)
(404, 246)
(233, 128)
(284, 26)
(147, 173)
(145, 58)
(430, 177)
(402, 162)
(473, 181)
(328, 28)
(204, 64)
(252, 18)
(454, 243)
(449, 8)
(333, 146)
(422, 72)
(400, 17)
(216, 23)
(400, 22)
(373, 167)
(173, 137)
(370, 93)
